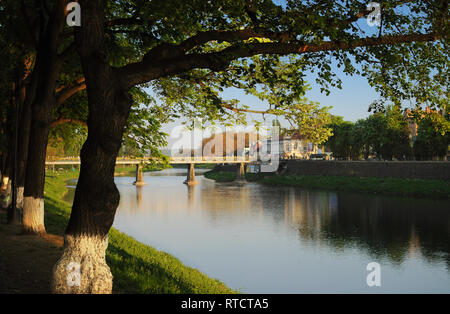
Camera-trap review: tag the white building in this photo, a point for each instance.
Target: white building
(289, 147)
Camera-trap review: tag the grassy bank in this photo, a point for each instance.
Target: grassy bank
(130, 171)
(136, 267)
(387, 186)
(221, 176)
(197, 166)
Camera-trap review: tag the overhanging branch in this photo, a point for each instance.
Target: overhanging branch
(66, 93)
(66, 120)
(149, 69)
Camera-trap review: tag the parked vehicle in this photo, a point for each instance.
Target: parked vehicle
(318, 157)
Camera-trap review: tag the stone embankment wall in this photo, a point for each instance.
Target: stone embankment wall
(439, 170)
(382, 169)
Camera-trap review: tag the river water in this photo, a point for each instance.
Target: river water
(263, 239)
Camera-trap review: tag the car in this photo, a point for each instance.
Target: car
(318, 157)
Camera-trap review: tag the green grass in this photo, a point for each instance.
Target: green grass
(220, 176)
(136, 267)
(386, 186)
(130, 171)
(204, 166)
(197, 166)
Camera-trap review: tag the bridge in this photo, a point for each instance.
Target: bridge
(189, 161)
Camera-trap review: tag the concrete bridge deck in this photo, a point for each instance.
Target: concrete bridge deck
(189, 161)
(172, 160)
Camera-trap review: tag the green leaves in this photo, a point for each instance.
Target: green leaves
(143, 135)
(311, 121)
(391, 134)
(433, 135)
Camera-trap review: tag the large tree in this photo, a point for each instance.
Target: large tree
(178, 38)
(46, 78)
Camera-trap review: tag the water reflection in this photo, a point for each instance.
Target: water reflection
(139, 197)
(280, 239)
(392, 228)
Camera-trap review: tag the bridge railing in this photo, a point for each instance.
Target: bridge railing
(172, 160)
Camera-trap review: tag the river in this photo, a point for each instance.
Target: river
(263, 239)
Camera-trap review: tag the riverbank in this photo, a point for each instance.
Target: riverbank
(386, 186)
(130, 171)
(136, 267)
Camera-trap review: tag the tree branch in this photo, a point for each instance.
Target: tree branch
(66, 120)
(244, 34)
(66, 93)
(231, 36)
(175, 62)
(237, 110)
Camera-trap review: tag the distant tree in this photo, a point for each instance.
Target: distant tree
(433, 137)
(67, 139)
(340, 140)
(384, 134)
(396, 141)
(310, 120)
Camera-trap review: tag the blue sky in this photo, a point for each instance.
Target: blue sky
(351, 102)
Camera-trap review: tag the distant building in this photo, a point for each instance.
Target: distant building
(412, 125)
(289, 147)
(228, 143)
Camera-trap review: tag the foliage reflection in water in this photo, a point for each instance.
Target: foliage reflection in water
(265, 239)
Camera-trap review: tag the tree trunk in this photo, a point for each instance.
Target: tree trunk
(6, 171)
(33, 201)
(7, 160)
(47, 69)
(13, 216)
(6, 201)
(5, 180)
(22, 157)
(3, 160)
(94, 207)
(96, 195)
(82, 268)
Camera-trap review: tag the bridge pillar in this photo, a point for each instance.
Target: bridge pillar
(191, 175)
(139, 177)
(240, 174)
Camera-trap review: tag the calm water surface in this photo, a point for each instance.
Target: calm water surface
(262, 239)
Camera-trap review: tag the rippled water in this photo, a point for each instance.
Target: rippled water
(263, 239)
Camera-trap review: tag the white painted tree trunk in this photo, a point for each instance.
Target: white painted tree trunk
(7, 195)
(5, 181)
(33, 215)
(82, 268)
(19, 195)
